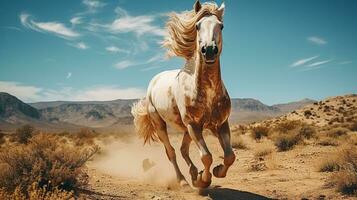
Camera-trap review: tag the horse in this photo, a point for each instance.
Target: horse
(192, 98)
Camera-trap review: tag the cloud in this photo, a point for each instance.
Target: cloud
(319, 63)
(95, 93)
(93, 4)
(130, 63)
(125, 23)
(56, 28)
(114, 49)
(125, 64)
(69, 75)
(346, 62)
(303, 61)
(76, 20)
(317, 40)
(23, 92)
(79, 45)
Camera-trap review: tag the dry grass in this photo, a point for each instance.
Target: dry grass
(327, 141)
(345, 163)
(263, 150)
(285, 142)
(24, 133)
(44, 161)
(259, 132)
(237, 142)
(337, 132)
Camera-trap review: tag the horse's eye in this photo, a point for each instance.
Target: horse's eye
(197, 26)
(222, 26)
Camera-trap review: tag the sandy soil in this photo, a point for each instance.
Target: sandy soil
(118, 173)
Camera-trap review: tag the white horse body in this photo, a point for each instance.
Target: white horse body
(193, 98)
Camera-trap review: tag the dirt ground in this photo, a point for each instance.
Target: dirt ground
(117, 173)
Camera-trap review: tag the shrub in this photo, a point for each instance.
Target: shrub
(345, 179)
(45, 162)
(337, 132)
(286, 126)
(329, 165)
(286, 142)
(238, 143)
(259, 132)
(24, 133)
(307, 131)
(2, 138)
(327, 141)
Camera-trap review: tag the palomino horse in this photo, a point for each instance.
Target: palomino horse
(193, 98)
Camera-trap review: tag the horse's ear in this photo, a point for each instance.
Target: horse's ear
(197, 6)
(221, 9)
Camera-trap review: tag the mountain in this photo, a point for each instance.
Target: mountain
(107, 115)
(90, 113)
(11, 106)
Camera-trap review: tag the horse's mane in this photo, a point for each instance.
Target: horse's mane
(181, 28)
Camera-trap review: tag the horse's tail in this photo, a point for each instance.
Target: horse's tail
(142, 121)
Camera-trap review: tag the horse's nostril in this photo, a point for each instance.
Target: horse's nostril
(215, 50)
(203, 50)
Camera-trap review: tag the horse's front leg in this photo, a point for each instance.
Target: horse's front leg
(224, 137)
(203, 178)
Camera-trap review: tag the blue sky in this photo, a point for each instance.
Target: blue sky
(276, 51)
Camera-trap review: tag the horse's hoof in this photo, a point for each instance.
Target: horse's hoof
(183, 183)
(200, 183)
(219, 172)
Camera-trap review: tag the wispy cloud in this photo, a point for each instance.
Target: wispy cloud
(303, 61)
(346, 62)
(69, 75)
(30, 93)
(130, 63)
(319, 63)
(125, 23)
(76, 20)
(79, 45)
(93, 4)
(115, 49)
(12, 28)
(56, 28)
(317, 40)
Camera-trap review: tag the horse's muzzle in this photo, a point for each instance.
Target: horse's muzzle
(209, 53)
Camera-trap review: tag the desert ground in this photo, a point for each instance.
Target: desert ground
(310, 153)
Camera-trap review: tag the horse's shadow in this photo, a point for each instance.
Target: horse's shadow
(218, 193)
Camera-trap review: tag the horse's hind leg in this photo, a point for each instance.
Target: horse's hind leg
(185, 151)
(224, 138)
(161, 131)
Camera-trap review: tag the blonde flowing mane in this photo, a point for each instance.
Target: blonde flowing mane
(181, 27)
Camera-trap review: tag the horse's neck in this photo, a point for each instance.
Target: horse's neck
(206, 77)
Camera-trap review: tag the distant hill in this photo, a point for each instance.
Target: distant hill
(114, 114)
(330, 111)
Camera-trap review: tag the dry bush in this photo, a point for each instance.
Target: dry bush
(307, 131)
(237, 142)
(24, 133)
(35, 193)
(84, 136)
(337, 132)
(327, 141)
(46, 162)
(286, 142)
(329, 164)
(286, 126)
(263, 150)
(2, 138)
(259, 132)
(346, 179)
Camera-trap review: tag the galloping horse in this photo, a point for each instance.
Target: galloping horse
(192, 98)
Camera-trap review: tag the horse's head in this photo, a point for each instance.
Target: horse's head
(209, 35)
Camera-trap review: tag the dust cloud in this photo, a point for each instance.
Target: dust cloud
(131, 159)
